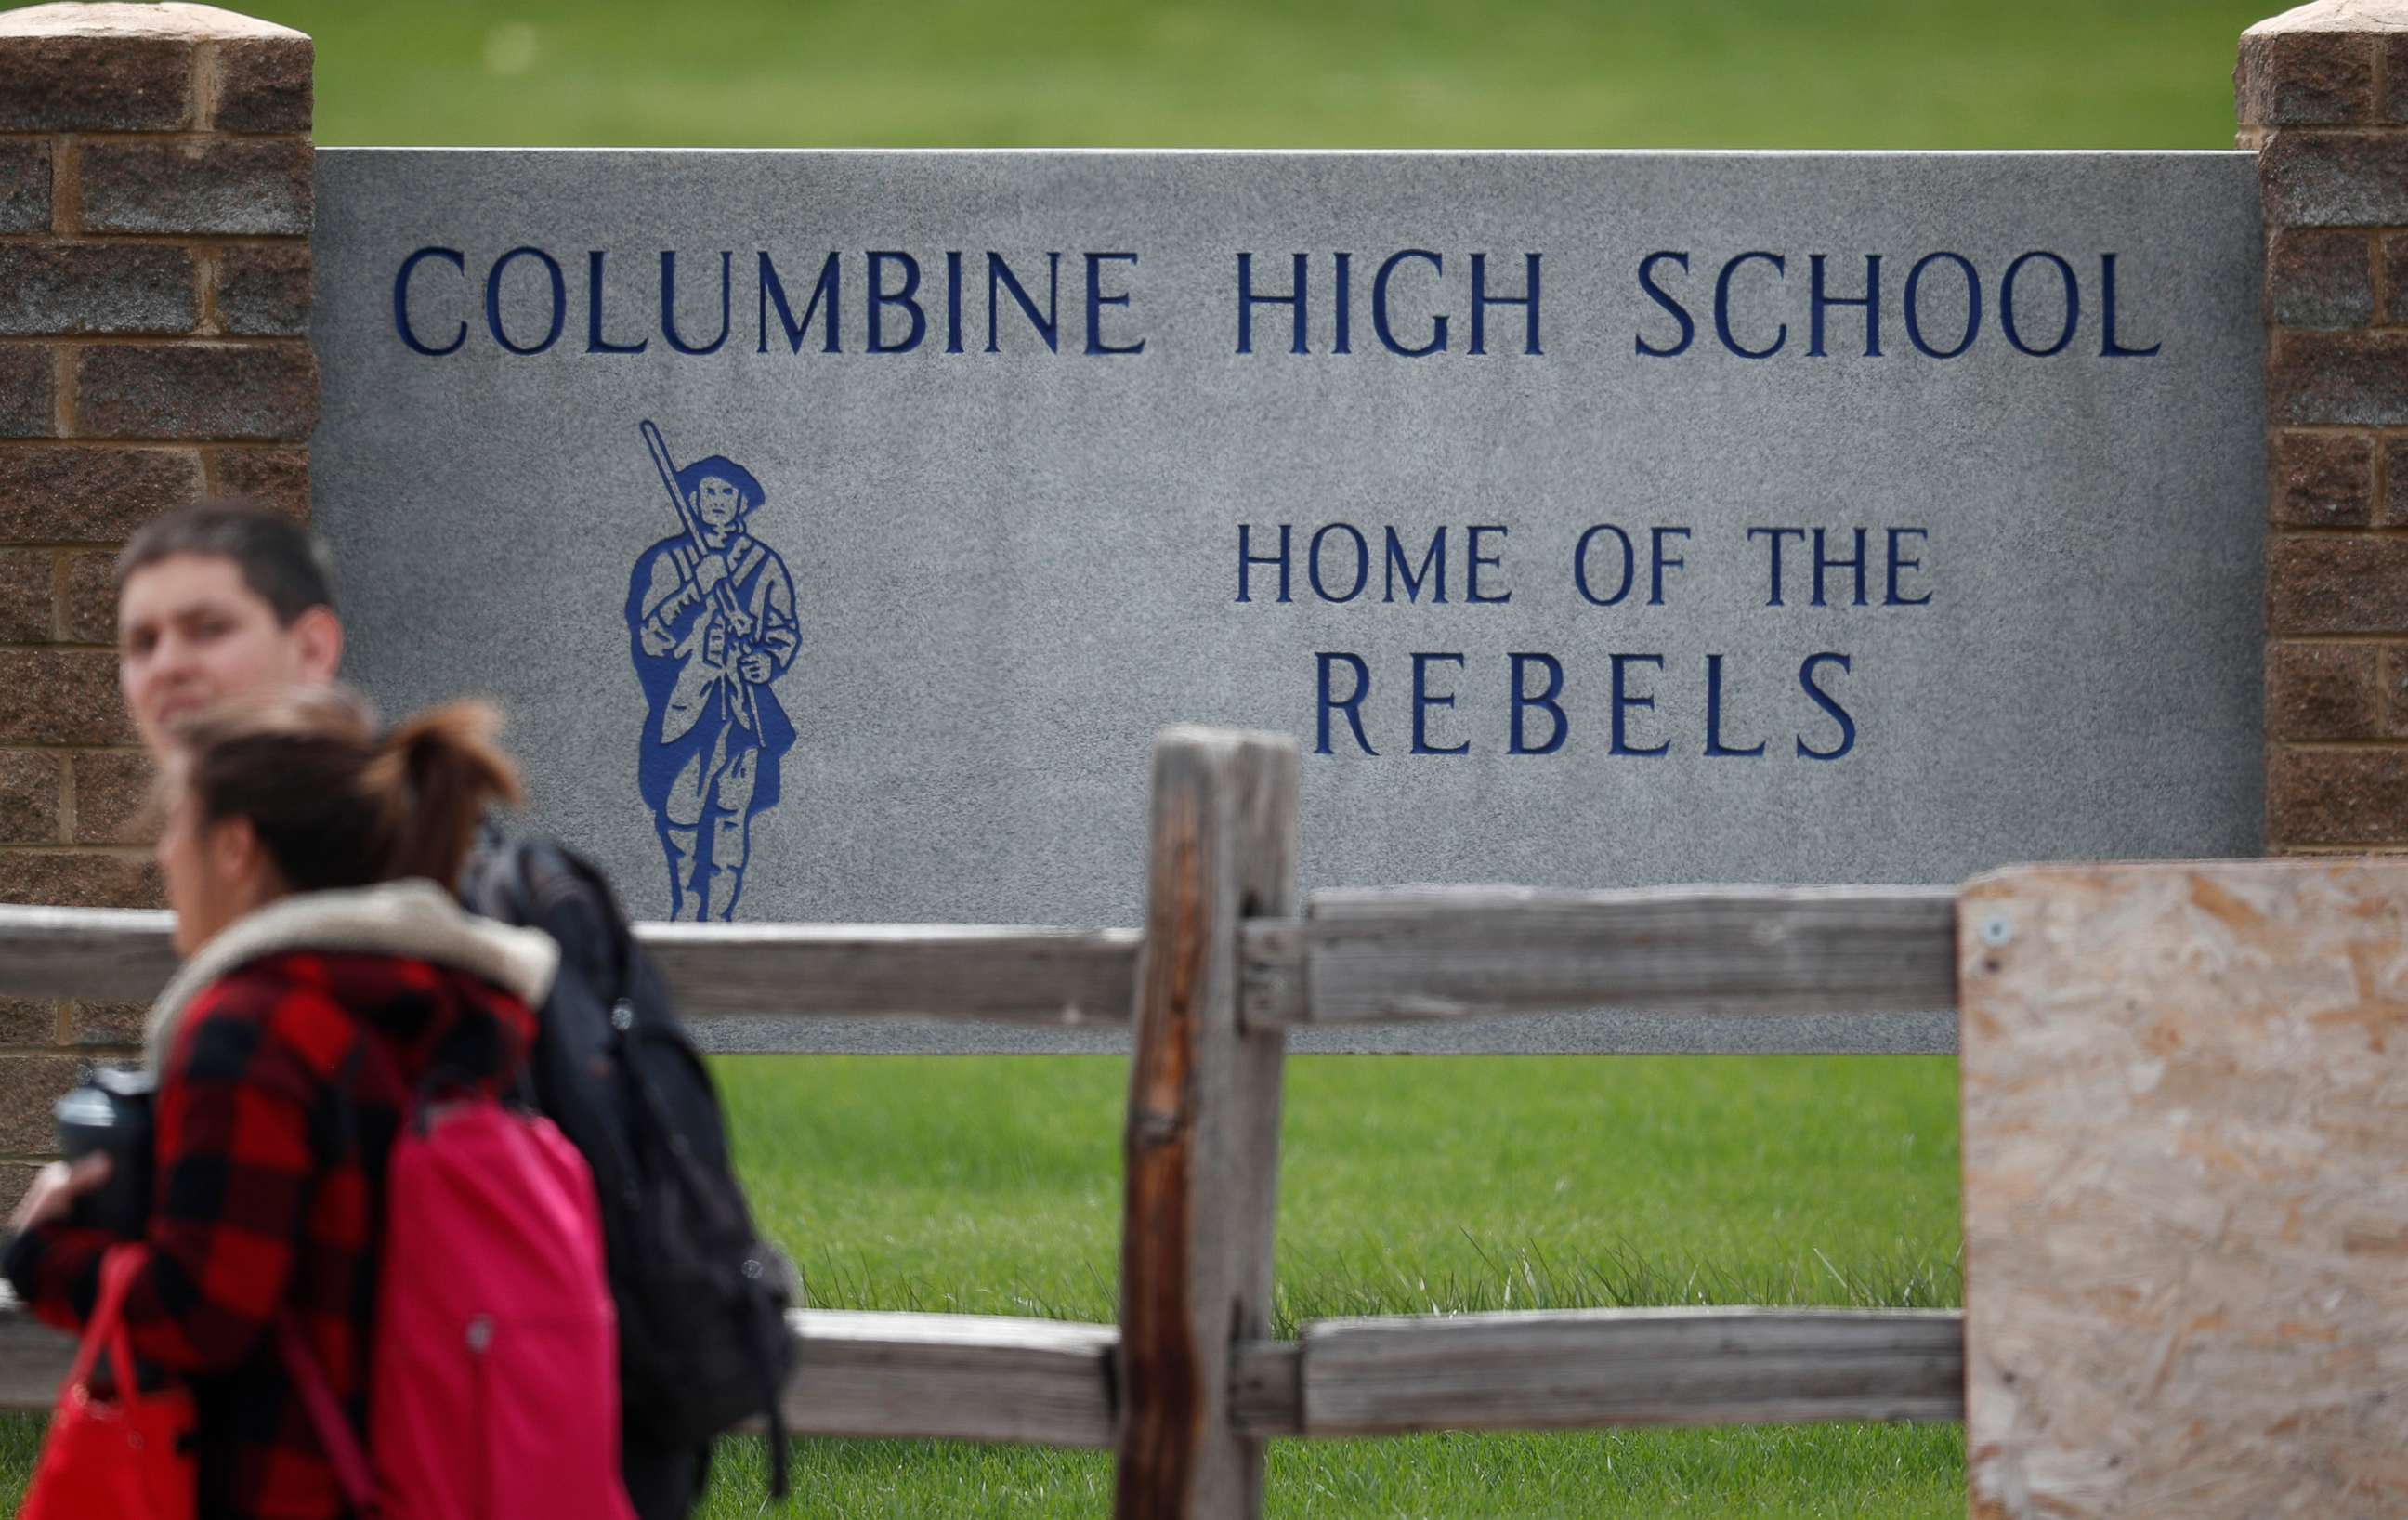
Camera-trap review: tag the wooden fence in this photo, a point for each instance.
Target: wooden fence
(1189, 1385)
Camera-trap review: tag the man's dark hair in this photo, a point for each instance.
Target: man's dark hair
(280, 561)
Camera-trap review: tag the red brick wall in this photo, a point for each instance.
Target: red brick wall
(2323, 96)
(155, 194)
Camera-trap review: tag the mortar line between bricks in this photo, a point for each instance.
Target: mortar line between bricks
(205, 77)
(63, 408)
(66, 800)
(151, 341)
(67, 549)
(2366, 131)
(206, 263)
(2392, 848)
(2378, 284)
(2376, 640)
(111, 852)
(2345, 745)
(104, 441)
(106, 340)
(63, 749)
(58, 597)
(147, 444)
(66, 187)
(189, 135)
(2369, 231)
(2290, 335)
(152, 240)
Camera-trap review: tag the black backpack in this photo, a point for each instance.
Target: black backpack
(702, 1299)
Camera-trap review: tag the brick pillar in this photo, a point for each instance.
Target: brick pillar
(155, 191)
(2323, 97)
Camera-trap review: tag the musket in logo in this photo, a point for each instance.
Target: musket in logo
(731, 618)
(710, 620)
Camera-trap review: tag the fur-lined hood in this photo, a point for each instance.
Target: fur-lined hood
(415, 919)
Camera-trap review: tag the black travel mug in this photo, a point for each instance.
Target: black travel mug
(111, 1115)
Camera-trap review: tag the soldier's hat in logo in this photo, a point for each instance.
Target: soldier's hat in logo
(748, 490)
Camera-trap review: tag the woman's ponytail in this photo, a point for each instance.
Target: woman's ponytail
(450, 773)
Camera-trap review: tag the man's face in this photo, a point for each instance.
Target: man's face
(717, 502)
(189, 633)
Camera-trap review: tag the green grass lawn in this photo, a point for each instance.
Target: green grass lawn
(1260, 73)
(1409, 1185)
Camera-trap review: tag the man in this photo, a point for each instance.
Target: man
(215, 601)
(710, 613)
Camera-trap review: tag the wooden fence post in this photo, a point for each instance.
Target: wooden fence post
(1203, 1145)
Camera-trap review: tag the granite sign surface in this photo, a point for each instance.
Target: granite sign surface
(836, 528)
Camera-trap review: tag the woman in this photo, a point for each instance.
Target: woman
(326, 978)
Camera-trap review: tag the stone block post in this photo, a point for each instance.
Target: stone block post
(2323, 97)
(2183, 1211)
(155, 192)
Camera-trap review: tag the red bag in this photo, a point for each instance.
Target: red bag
(129, 1457)
(494, 1371)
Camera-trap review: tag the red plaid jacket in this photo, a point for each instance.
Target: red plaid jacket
(277, 1111)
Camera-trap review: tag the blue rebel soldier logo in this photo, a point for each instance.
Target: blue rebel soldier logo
(710, 613)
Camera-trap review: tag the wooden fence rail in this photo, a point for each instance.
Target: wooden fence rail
(1052, 1382)
(855, 971)
(1438, 953)
(1189, 1385)
(1406, 954)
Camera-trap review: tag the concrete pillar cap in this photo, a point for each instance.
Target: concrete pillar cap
(2337, 16)
(189, 22)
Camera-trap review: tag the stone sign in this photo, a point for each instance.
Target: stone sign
(838, 528)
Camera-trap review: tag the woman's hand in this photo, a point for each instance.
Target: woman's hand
(56, 1187)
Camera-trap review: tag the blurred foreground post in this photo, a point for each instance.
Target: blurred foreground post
(1202, 1142)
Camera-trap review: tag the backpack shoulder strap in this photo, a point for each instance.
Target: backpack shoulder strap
(545, 872)
(502, 885)
(614, 918)
(326, 1416)
(494, 884)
